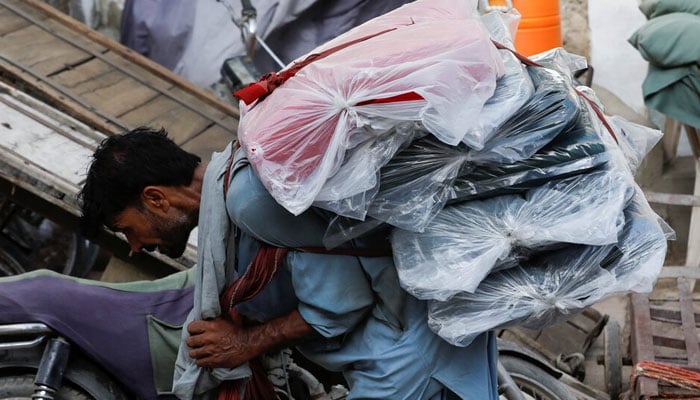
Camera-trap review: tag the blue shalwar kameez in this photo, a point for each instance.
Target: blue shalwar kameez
(375, 333)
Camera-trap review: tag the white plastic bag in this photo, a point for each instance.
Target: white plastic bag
(557, 284)
(466, 241)
(429, 61)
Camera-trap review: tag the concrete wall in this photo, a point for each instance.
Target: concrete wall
(618, 66)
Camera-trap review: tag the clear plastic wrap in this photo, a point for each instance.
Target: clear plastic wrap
(561, 61)
(350, 191)
(552, 109)
(556, 284)
(416, 183)
(438, 51)
(577, 150)
(512, 91)
(465, 242)
(635, 140)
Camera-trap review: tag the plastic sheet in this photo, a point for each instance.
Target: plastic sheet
(350, 191)
(465, 242)
(552, 109)
(512, 91)
(417, 182)
(556, 284)
(296, 138)
(577, 150)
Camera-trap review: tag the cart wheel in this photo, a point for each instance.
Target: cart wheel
(613, 359)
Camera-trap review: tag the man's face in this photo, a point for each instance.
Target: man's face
(147, 231)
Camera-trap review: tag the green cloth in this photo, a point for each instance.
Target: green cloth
(177, 280)
(670, 40)
(674, 92)
(656, 8)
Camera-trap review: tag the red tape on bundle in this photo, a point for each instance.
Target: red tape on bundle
(271, 81)
(594, 106)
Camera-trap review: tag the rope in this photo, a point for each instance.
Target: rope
(670, 374)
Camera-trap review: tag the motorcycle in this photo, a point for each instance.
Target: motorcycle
(67, 338)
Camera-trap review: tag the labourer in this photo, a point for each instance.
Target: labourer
(342, 308)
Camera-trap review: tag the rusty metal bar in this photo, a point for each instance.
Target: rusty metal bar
(642, 343)
(688, 318)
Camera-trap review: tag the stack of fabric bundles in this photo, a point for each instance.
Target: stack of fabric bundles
(510, 196)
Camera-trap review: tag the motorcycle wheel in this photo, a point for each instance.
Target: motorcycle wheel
(9, 264)
(22, 387)
(534, 382)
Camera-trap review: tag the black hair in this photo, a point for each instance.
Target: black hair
(122, 166)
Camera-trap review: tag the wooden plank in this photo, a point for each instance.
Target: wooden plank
(678, 272)
(642, 342)
(131, 68)
(128, 54)
(178, 94)
(213, 113)
(116, 94)
(693, 139)
(10, 22)
(35, 48)
(212, 140)
(672, 199)
(82, 74)
(181, 123)
(672, 134)
(693, 252)
(688, 317)
(55, 96)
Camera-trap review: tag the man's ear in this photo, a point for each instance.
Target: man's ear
(155, 199)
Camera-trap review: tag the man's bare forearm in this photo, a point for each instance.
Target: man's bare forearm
(220, 343)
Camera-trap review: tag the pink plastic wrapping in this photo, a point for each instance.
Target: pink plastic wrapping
(297, 137)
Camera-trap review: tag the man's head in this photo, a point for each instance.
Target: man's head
(141, 184)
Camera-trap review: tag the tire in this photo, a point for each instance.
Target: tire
(9, 262)
(534, 382)
(21, 387)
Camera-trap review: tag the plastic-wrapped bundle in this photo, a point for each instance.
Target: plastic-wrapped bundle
(556, 284)
(512, 91)
(466, 241)
(578, 150)
(552, 109)
(416, 182)
(429, 61)
(350, 191)
(635, 140)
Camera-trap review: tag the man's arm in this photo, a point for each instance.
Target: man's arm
(221, 343)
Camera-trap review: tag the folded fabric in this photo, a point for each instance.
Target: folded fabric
(416, 183)
(574, 151)
(553, 285)
(512, 91)
(429, 61)
(465, 242)
(674, 92)
(552, 109)
(656, 8)
(669, 40)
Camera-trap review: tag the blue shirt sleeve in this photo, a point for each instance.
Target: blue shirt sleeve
(333, 292)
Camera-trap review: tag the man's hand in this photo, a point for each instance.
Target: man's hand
(221, 343)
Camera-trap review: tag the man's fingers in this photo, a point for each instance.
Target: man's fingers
(196, 327)
(195, 341)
